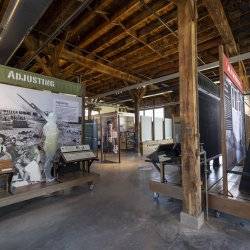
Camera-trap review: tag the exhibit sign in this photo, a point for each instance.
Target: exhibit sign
(25, 79)
(30, 132)
(66, 110)
(233, 124)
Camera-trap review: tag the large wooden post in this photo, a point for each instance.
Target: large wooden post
(137, 124)
(187, 32)
(137, 98)
(90, 109)
(83, 95)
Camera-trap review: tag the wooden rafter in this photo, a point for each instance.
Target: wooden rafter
(77, 58)
(86, 19)
(218, 15)
(141, 20)
(30, 45)
(131, 33)
(126, 41)
(219, 18)
(97, 66)
(105, 27)
(56, 55)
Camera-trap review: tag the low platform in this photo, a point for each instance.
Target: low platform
(238, 205)
(234, 206)
(42, 189)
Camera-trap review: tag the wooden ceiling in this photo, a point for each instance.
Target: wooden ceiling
(112, 44)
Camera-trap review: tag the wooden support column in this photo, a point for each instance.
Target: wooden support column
(187, 32)
(91, 107)
(137, 97)
(137, 124)
(83, 95)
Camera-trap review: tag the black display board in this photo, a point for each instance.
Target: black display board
(209, 116)
(234, 123)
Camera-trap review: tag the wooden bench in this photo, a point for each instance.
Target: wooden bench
(7, 168)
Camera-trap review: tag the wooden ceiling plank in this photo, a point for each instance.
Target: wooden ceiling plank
(134, 25)
(166, 15)
(97, 66)
(30, 46)
(106, 26)
(86, 19)
(143, 60)
(160, 40)
(216, 11)
(208, 33)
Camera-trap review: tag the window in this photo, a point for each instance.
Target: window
(86, 112)
(149, 113)
(159, 113)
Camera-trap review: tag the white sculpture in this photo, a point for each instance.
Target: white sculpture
(50, 132)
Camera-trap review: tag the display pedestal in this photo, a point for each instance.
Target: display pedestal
(192, 222)
(38, 190)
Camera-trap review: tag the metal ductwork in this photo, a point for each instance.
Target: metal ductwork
(18, 20)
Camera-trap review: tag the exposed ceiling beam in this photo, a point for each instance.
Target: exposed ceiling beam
(106, 26)
(86, 19)
(204, 67)
(85, 62)
(31, 47)
(98, 66)
(216, 11)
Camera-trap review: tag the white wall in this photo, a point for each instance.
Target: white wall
(146, 128)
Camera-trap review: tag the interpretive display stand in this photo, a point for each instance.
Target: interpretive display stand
(36, 119)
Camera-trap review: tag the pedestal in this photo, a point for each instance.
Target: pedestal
(192, 222)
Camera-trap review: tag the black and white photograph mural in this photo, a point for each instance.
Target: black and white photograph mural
(234, 116)
(33, 125)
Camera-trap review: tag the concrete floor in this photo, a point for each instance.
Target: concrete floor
(118, 214)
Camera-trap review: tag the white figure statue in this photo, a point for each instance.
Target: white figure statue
(50, 132)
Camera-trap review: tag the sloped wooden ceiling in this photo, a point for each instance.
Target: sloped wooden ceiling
(113, 44)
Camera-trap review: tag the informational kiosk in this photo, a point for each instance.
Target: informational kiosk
(38, 115)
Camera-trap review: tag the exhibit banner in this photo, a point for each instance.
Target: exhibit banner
(25, 79)
(30, 133)
(233, 110)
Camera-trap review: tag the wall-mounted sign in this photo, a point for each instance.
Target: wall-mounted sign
(32, 80)
(230, 72)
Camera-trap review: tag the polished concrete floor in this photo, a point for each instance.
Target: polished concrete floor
(119, 214)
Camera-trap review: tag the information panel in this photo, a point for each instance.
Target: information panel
(234, 126)
(30, 129)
